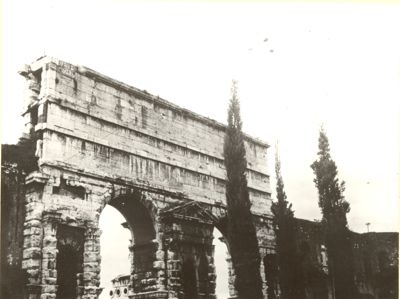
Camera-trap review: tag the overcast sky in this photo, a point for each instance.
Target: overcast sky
(299, 66)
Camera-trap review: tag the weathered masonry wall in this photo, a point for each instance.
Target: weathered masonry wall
(99, 141)
(92, 124)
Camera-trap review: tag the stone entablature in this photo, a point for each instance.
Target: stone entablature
(93, 124)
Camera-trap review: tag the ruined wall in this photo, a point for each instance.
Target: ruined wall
(92, 124)
(313, 257)
(376, 264)
(12, 227)
(375, 257)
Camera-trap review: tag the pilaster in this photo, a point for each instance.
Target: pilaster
(49, 256)
(91, 264)
(33, 234)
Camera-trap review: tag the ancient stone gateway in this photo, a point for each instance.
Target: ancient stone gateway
(99, 142)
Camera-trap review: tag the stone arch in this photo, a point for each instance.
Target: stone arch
(140, 215)
(115, 193)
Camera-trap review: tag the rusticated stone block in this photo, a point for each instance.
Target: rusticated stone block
(33, 224)
(91, 257)
(159, 265)
(90, 267)
(50, 253)
(32, 253)
(89, 276)
(34, 230)
(31, 264)
(49, 241)
(32, 241)
(49, 288)
(160, 254)
(91, 290)
(50, 280)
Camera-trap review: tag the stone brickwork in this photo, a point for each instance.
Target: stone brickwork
(99, 142)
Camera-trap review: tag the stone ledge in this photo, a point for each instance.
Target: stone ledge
(37, 177)
(153, 99)
(150, 295)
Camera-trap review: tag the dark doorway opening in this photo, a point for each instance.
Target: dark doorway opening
(69, 261)
(189, 279)
(67, 270)
(203, 276)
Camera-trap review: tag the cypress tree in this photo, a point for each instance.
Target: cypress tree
(334, 209)
(242, 237)
(290, 275)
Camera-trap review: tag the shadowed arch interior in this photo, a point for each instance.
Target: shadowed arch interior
(137, 216)
(144, 247)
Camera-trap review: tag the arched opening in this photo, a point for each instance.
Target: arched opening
(135, 256)
(114, 244)
(67, 269)
(143, 246)
(221, 265)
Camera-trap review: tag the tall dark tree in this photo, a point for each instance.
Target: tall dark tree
(243, 244)
(334, 209)
(290, 275)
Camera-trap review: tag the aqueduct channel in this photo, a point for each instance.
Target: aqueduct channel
(99, 142)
